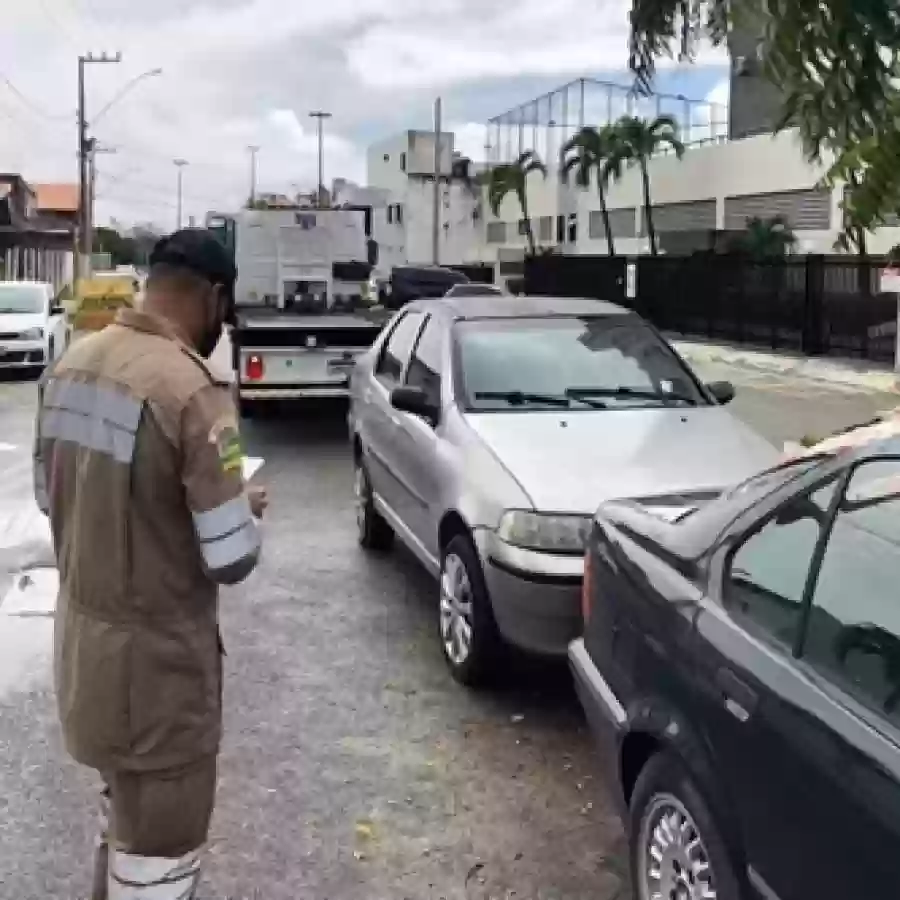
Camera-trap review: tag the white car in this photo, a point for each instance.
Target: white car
(33, 328)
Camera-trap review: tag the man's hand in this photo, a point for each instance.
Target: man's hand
(259, 500)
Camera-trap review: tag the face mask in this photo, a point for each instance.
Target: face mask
(213, 334)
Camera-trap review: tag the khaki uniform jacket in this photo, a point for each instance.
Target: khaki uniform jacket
(138, 465)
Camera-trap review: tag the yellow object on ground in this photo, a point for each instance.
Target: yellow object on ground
(97, 300)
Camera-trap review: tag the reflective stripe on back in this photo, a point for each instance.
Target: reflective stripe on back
(91, 416)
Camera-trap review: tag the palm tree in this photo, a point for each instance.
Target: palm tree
(636, 141)
(591, 152)
(513, 178)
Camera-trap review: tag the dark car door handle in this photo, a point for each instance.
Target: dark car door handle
(739, 699)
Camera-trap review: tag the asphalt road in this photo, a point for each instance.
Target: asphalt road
(353, 767)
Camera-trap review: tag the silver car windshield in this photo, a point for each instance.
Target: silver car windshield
(21, 298)
(598, 362)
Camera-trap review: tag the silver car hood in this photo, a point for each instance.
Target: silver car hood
(572, 461)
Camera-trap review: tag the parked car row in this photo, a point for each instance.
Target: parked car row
(33, 326)
(729, 616)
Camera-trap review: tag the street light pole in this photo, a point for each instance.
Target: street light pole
(180, 164)
(320, 116)
(85, 241)
(253, 150)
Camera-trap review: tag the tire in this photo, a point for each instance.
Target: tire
(373, 532)
(465, 604)
(665, 790)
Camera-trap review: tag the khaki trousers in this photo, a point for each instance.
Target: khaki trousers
(156, 824)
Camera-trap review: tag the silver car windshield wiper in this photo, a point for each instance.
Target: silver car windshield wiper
(580, 393)
(520, 398)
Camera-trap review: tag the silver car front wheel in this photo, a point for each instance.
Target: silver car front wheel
(469, 638)
(456, 610)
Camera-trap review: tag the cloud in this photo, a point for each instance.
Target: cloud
(240, 72)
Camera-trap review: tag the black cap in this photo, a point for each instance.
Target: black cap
(199, 251)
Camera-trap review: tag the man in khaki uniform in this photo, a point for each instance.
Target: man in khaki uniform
(138, 465)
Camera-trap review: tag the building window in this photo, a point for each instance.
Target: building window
(398, 213)
(523, 227)
(572, 228)
(545, 229)
(693, 215)
(387, 157)
(560, 229)
(390, 213)
(496, 232)
(804, 210)
(402, 162)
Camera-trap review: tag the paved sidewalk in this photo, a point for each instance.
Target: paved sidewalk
(862, 374)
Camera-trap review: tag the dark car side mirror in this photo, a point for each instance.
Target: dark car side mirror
(414, 400)
(57, 310)
(722, 391)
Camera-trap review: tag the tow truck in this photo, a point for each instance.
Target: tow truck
(306, 300)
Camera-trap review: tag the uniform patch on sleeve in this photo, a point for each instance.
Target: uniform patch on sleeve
(227, 441)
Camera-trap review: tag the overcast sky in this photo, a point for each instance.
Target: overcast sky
(242, 72)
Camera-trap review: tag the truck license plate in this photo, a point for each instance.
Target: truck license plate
(340, 365)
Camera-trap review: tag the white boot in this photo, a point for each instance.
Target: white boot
(153, 878)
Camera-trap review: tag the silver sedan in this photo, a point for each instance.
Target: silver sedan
(486, 432)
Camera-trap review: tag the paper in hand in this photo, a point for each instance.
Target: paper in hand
(250, 465)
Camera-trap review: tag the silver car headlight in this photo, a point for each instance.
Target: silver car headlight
(32, 334)
(546, 532)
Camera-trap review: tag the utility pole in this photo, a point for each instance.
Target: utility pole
(85, 239)
(252, 150)
(93, 150)
(436, 212)
(320, 116)
(180, 164)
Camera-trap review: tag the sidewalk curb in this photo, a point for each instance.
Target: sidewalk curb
(843, 372)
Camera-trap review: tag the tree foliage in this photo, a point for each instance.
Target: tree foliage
(837, 63)
(512, 178)
(765, 238)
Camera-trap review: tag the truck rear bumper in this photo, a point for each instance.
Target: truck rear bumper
(295, 392)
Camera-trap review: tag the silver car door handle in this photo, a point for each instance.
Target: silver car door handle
(395, 421)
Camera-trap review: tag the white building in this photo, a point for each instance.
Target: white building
(718, 185)
(403, 167)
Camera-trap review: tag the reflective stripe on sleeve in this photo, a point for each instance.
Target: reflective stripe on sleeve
(224, 519)
(227, 533)
(232, 548)
(91, 416)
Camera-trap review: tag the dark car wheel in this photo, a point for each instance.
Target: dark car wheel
(373, 531)
(676, 848)
(469, 637)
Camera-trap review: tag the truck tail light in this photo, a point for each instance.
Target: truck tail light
(255, 368)
(587, 583)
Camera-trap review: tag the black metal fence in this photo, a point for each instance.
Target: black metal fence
(811, 304)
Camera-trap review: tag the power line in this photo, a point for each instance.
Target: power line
(31, 105)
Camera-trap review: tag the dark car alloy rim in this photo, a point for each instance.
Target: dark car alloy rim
(672, 860)
(456, 610)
